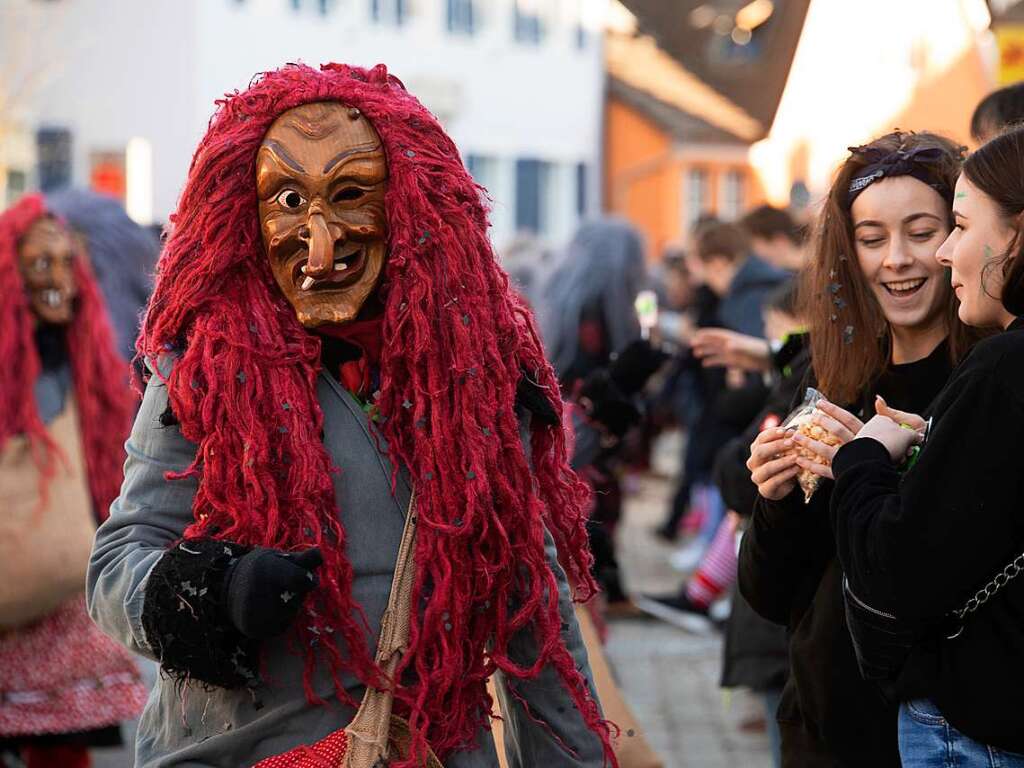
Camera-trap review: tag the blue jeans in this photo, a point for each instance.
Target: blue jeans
(927, 740)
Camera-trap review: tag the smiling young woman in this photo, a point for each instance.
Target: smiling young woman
(883, 322)
(874, 277)
(936, 547)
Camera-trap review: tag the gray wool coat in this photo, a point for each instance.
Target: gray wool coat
(196, 727)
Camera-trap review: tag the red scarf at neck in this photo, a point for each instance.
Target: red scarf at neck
(365, 335)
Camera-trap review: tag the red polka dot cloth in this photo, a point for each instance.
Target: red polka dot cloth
(329, 752)
(61, 674)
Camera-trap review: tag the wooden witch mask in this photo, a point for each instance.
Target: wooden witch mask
(321, 175)
(46, 259)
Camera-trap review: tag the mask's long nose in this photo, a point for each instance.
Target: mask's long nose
(318, 238)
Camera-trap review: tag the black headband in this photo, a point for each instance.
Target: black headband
(923, 164)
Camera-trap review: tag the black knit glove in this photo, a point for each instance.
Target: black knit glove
(633, 365)
(208, 603)
(264, 589)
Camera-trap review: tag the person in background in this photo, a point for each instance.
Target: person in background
(739, 283)
(688, 606)
(937, 543)
(587, 314)
(997, 111)
(122, 254)
(776, 237)
(883, 322)
(587, 307)
(65, 411)
(682, 390)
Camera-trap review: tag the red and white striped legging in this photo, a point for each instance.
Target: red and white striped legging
(717, 570)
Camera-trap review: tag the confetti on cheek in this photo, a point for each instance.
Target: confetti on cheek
(989, 254)
(961, 195)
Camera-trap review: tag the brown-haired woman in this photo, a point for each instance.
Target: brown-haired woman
(939, 544)
(883, 322)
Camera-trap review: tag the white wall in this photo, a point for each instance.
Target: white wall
(496, 97)
(153, 68)
(113, 69)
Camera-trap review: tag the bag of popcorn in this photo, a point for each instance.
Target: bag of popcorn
(801, 420)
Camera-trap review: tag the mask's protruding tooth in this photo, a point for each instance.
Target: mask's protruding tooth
(307, 283)
(340, 266)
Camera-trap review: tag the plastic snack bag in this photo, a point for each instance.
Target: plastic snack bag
(800, 421)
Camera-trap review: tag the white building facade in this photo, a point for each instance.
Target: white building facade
(117, 93)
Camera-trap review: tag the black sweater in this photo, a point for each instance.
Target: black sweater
(789, 572)
(919, 546)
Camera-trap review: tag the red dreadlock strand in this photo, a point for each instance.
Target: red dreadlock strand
(456, 341)
(99, 375)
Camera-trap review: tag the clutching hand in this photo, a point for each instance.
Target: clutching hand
(829, 429)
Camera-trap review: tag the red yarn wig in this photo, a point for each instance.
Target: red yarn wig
(99, 375)
(456, 341)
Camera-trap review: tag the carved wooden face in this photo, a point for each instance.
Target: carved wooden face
(321, 174)
(46, 260)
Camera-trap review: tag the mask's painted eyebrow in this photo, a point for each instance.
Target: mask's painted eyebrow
(344, 154)
(283, 155)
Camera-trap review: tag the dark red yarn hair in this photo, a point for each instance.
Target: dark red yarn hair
(456, 341)
(99, 375)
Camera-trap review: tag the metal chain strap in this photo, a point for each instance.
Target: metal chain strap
(983, 595)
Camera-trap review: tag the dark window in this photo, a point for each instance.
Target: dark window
(394, 12)
(527, 24)
(581, 37)
(53, 150)
(461, 17)
(533, 195)
(581, 189)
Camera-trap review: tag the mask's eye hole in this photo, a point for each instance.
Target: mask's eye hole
(290, 200)
(42, 264)
(347, 194)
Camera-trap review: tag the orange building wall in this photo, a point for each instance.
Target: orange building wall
(946, 103)
(644, 177)
(638, 169)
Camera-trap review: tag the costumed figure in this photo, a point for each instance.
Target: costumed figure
(122, 255)
(329, 337)
(65, 409)
(593, 338)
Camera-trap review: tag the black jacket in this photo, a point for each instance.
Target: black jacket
(789, 572)
(756, 651)
(920, 545)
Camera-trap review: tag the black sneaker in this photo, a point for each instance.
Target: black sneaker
(678, 611)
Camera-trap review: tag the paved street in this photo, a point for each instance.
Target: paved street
(669, 677)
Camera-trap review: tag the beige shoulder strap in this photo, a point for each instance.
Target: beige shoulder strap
(369, 729)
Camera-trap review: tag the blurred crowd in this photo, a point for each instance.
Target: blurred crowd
(754, 317)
